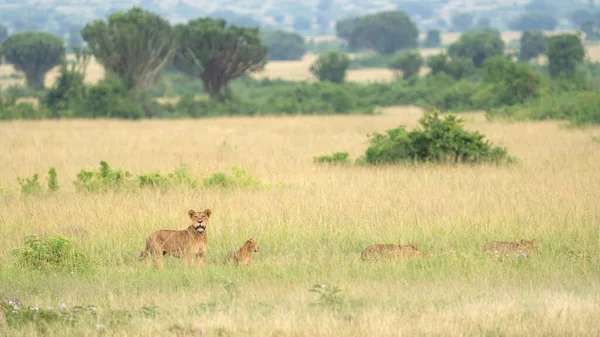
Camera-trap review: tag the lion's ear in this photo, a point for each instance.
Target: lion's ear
(191, 213)
(207, 212)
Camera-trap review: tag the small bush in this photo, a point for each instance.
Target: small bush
(239, 178)
(30, 185)
(52, 180)
(335, 158)
(329, 296)
(102, 180)
(440, 140)
(51, 253)
(407, 65)
(180, 177)
(331, 67)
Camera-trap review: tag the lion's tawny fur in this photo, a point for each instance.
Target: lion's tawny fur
(390, 250)
(501, 248)
(187, 243)
(244, 254)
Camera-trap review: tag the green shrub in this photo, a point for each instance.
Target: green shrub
(180, 177)
(331, 67)
(52, 253)
(457, 67)
(103, 179)
(30, 185)
(110, 98)
(239, 178)
(407, 65)
(477, 46)
(565, 52)
(335, 158)
(440, 140)
(23, 110)
(52, 180)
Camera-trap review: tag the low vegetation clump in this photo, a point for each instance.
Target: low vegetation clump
(439, 140)
(239, 178)
(32, 185)
(335, 158)
(54, 253)
(105, 178)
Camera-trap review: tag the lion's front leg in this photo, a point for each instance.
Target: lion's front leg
(200, 255)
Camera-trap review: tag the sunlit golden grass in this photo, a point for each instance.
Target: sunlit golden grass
(311, 223)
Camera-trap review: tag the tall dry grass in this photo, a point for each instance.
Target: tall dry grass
(312, 222)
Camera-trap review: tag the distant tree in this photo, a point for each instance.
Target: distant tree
(385, 32)
(217, 53)
(135, 45)
(302, 23)
(565, 52)
(462, 22)
(533, 43)
(433, 39)
(3, 33)
(331, 67)
(344, 28)
(477, 46)
(416, 9)
(458, 68)
(283, 45)
(34, 53)
(483, 23)
(407, 65)
(511, 83)
(534, 21)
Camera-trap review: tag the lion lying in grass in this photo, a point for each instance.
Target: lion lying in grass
(244, 254)
(187, 243)
(518, 249)
(390, 251)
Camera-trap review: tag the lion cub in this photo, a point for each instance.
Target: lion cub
(244, 254)
(499, 248)
(390, 250)
(186, 243)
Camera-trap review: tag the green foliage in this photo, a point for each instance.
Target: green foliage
(579, 108)
(385, 32)
(110, 98)
(217, 53)
(433, 39)
(533, 44)
(34, 53)
(180, 177)
(42, 318)
(462, 22)
(239, 178)
(23, 110)
(335, 158)
(477, 46)
(372, 61)
(534, 21)
(565, 52)
(440, 140)
(458, 68)
(106, 178)
(283, 45)
(345, 28)
(52, 180)
(68, 94)
(53, 253)
(507, 83)
(331, 67)
(407, 65)
(31, 185)
(329, 296)
(134, 45)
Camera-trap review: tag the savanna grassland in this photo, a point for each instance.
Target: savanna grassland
(312, 222)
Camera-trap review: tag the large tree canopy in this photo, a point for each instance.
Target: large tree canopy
(385, 32)
(217, 53)
(34, 53)
(477, 46)
(134, 45)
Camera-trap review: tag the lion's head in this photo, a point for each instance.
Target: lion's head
(199, 219)
(251, 246)
(528, 244)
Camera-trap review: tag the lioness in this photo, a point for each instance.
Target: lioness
(244, 254)
(185, 243)
(390, 250)
(499, 248)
